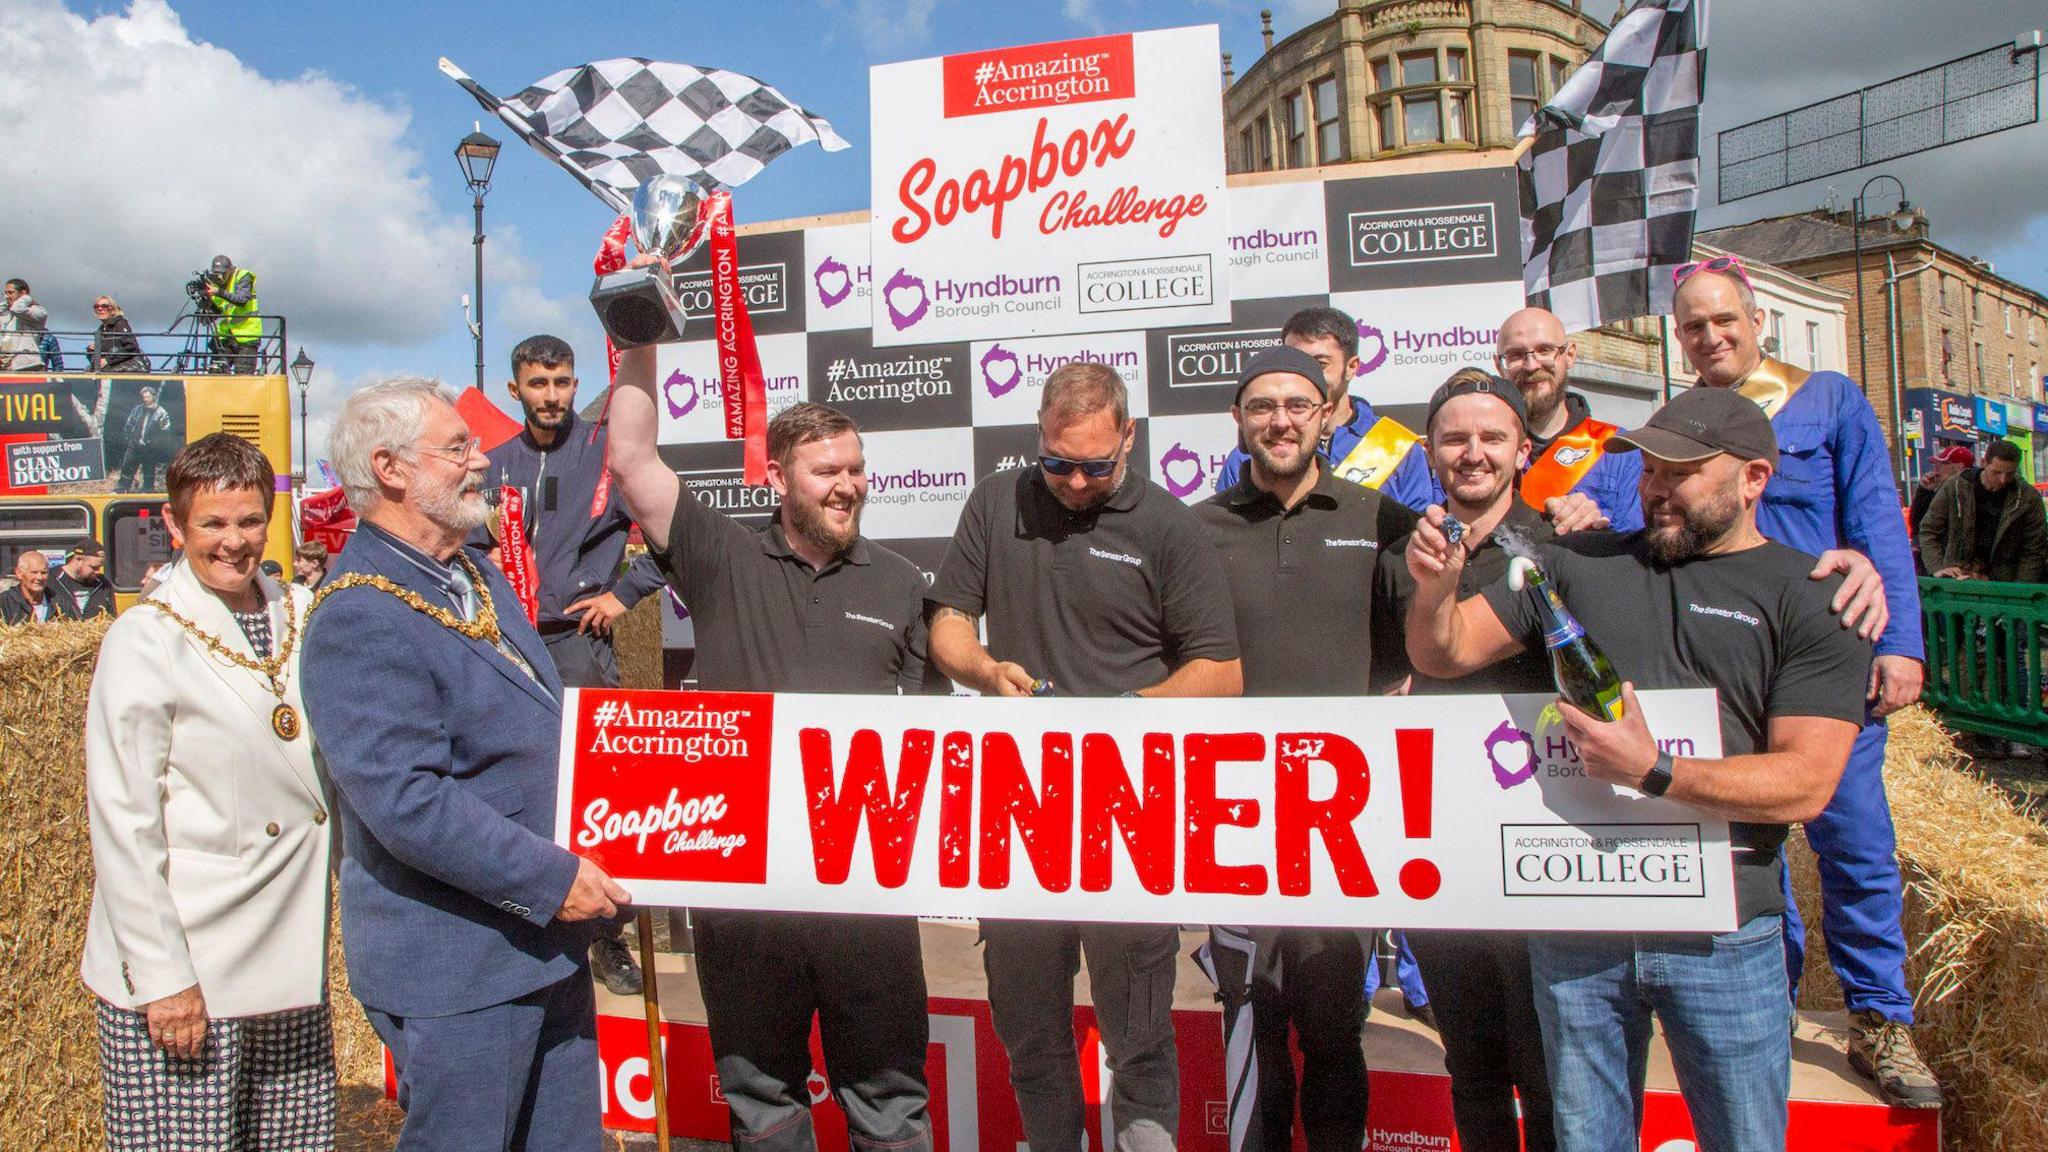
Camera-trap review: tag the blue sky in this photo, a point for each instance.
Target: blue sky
(344, 194)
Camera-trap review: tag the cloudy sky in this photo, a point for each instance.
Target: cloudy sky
(313, 141)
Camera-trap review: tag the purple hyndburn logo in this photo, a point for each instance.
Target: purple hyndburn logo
(1175, 458)
(992, 378)
(917, 479)
(896, 298)
(1378, 356)
(1260, 239)
(834, 281)
(679, 392)
(1521, 747)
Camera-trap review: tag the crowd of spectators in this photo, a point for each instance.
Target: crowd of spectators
(225, 307)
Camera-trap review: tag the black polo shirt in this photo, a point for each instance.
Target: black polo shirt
(1301, 581)
(1485, 564)
(1750, 625)
(1100, 602)
(768, 622)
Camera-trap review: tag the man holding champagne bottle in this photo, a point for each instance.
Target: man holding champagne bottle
(1699, 598)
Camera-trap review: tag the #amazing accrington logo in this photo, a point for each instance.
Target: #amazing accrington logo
(702, 813)
(1036, 157)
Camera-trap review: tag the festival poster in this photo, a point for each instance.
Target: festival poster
(1049, 189)
(1425, 812)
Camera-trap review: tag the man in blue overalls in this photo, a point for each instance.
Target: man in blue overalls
(1571, 478)
(1359, 444)
(1833, 489)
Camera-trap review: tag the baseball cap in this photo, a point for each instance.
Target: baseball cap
(1704, 422)
(1956, 454)
(221, 263)
(1476, 383)
(1283, 359)
(85, 546)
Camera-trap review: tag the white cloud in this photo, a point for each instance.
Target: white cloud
(885, 28)
(135, 153)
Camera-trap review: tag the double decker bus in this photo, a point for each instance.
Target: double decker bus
(84, 453)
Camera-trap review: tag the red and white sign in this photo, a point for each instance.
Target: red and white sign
(1426, 812)
(1049, 189)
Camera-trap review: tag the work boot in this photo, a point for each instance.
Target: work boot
(1883, 1050)
(613, 962)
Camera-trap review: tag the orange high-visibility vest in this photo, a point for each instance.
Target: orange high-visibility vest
(1565, 462)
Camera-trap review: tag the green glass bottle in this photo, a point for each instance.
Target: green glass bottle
(1582, 671)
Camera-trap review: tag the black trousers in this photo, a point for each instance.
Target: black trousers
(1485, 1003)
(765, 974)
(1309, 982)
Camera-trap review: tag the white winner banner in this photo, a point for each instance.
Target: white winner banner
(1420, 811)
(1049, 189)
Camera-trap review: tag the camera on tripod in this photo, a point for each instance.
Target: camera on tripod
(196, 289)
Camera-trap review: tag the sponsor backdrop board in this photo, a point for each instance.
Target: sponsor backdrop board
(1049, 188)
(1417, 259)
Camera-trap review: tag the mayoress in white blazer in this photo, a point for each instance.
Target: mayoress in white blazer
(207, 943)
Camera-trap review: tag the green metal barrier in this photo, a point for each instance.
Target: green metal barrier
(1984, 656)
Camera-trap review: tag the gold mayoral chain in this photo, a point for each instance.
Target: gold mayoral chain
(284, 719)
(484, 627)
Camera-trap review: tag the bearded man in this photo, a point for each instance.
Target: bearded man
(438, 715)
(807, 604)
(1570, 476)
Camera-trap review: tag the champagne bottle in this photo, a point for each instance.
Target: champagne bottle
(1582, 671)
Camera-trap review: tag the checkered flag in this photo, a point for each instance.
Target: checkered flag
(617, 122)
(1610, 182)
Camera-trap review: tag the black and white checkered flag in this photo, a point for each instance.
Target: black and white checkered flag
(1611, 182)
(614, 123)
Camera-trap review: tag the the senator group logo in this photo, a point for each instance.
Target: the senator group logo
(1039, 76)
(909, 298)
(1417, 235)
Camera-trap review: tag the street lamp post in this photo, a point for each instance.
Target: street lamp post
(302, 374)
(478, 154)
(1901, 219)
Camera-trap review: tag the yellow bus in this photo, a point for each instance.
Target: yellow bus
(85, 456)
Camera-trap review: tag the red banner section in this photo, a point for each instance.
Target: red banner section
(515, 552)
(1040, 76)
(739, 360)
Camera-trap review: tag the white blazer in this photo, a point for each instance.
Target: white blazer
(210, 835)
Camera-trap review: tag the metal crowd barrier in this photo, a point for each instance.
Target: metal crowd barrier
(184, 350)
(1984, 656)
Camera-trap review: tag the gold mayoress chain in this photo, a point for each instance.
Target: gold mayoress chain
(284, 719)
(484, 627)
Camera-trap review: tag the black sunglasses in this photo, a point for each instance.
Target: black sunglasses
(1061, 466)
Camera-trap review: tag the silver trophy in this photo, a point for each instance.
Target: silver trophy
(638, 305)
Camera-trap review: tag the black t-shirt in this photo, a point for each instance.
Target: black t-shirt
(1486, 564)
(767, 622)
(1749, 624)
(1100, 602)
(1990, 509)
(1313, 562)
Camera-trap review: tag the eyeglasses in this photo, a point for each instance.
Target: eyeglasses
(458, 453)
(1540, 354)
(1093, 469)
(103, 307)
(1261, 409)
(1684, 272)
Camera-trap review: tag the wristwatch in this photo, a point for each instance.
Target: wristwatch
(1659, 780)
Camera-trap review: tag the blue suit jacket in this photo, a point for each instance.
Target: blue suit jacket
(443, 754)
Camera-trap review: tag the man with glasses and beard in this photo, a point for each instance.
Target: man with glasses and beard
(1296, 544)
(1094, 581)
(1570, 478)
(806, 605)
(1698, 599)
(438, 715)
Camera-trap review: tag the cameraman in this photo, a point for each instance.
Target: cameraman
(231, 292)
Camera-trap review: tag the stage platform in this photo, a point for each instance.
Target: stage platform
(1833, 1110)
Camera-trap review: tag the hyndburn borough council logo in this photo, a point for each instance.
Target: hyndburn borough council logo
(897, 297)
(1178, 462)
(1372, 348)
(834, 281)
(679, 392)
(993, 376)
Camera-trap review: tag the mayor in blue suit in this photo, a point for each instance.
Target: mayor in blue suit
(438, 711)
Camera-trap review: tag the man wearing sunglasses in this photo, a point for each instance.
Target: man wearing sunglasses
(1833, 490)
(1100, 582)
(1297, 543)
(1369, 450)
(1571, 478)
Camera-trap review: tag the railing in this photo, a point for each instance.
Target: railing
(187, 349)
(1984, 656)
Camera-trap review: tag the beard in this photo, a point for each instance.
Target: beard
(1543, 394)
(458, 507)
(808, 521)
(1702, 527)
(1304, 457)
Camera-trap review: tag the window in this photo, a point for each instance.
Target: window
(1389, 138)
(1294, 114)
(1940, 292)
(1979, 350)
(1977, 305)
(136, 538)
(1418, 68)
(1263, 129)
(1523, 95)
(1329, 121)
(1948, 355)
(1454, 64)
(2033, 381)
(2008, 319)
(1777, 333)
(1812, 346)
(1382, 74)
(2012, 378)
(1423, 120)
(1247, 152)
(1559, 70)
(1455, 127)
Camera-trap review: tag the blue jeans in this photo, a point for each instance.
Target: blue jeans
(1726, 1020)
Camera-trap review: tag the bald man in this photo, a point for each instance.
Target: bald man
(29, 601)
(1571, 479)
(1833, 490)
